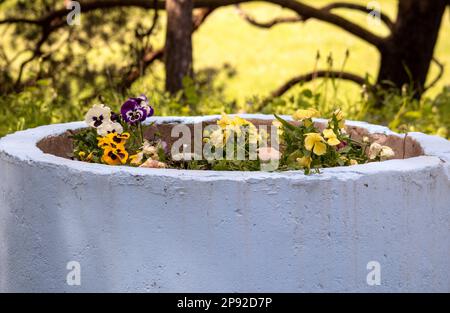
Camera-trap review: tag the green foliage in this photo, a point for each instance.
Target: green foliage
(85, 146)
(36, 105)
(401, 112)
(41, 104)
(398, 110)
(305, 147)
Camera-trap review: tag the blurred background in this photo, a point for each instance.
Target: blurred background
(381, 61)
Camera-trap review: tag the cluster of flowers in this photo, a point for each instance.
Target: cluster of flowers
(304, 146)
(119, 138)
(244, 137)
(229, 127)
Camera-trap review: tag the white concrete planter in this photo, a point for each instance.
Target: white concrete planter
(137, 229)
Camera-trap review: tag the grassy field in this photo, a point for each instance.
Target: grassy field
(264, 59)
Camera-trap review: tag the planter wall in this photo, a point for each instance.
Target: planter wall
(156, 230)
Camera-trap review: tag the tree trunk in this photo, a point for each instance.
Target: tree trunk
(178, 49)
(407, 54)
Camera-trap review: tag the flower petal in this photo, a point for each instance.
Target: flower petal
(333, 141)
(320, 148)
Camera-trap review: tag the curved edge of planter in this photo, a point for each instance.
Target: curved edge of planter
(22, 147)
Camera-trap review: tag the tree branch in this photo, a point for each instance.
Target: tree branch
(149, 32)
(305, 11)
(314, 75)
(438, 76)
(17, 20)
(308, 78)
(268, 24)
(336, 5)
(353, 6)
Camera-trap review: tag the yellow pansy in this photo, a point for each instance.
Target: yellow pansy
(305, 161)
(113, 140)
(239, 121)
(300, 115)
(224, 121)
(115, 156)
(137, 158)
(314, 142)
(353, 162)
(82, 156)
(279, 126)
(340, 118)
(232, 125)
(331, 136)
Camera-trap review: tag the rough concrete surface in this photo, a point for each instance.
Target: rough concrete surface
(170, 230)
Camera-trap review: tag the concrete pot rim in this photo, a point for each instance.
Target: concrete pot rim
(22, 147)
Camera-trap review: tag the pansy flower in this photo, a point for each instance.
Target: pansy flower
(331, 137)
(305, 161)
(113, 140)
(109, 128)
(115, 156)
(136, 110)
(98, 115)
(314, 142)
(301, 115)
(340, 118)
(144, 103)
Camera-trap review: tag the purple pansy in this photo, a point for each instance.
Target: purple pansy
(143, 102)
(136, 110)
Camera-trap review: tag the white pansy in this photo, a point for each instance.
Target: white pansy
(266, 154)
(374, 150)
(216, 138)
(149, 149)
(377, 150)
(386, 153)
(153, 164)
(109, 127)
(98, 115)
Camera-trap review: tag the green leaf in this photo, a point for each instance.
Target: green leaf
(285, 123)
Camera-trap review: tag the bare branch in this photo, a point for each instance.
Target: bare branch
(438, 76)
(268, 24)
(314, 75)
(353, 6)
(18, 20)
(292, 19)
(154, 22)
(134, 73)
(308, 78)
